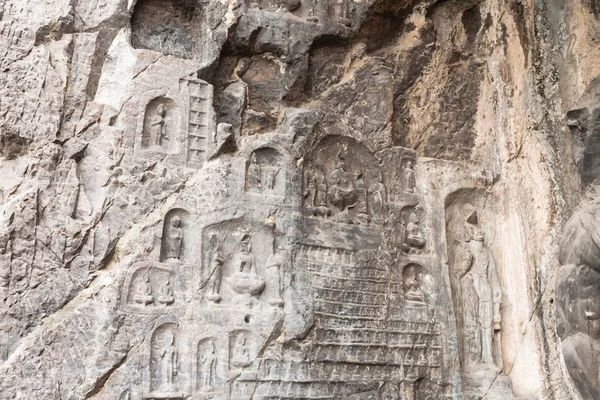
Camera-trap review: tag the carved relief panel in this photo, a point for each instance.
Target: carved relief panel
(177, 124)
(476, 292)
(266, 172)
(152, 288)
(343, 180)
(235, 265)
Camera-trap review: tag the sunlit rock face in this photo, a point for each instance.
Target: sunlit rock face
(299, 199)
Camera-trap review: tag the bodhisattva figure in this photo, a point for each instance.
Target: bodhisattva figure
(173, 239)
(377, 196)
(207, 366)
(215, 270)
(316, 192)
(341, 192)
(254, 173)
(158, 127)
(165, 293)
(409, 177)
(168, 362)
(481, 298)
(361, 203)
(274, 267)
(144, 292)
(414, 234)
(271, 178)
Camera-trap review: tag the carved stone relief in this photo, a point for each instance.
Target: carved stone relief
(477, 296)
(165, 360)
(266, 172)
(349, 192)
(176, 236)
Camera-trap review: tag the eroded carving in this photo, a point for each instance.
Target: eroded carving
(337, 184)
(241, 349)
(160, 125)
(481, 300)
(235, 270)
(409, 177)
(477, 296)
(265, 172)
(412, 275)
(174, 238)
(164, 361)
(206, 364)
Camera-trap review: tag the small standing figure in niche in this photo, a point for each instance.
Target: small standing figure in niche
(165, 293)
(158, 126)
(414, 234)
(274, 267)
(412, 284)
(377, 196)
(207, 366)
(174, 239)
(409, 177)
(215, 267)
(481, 299)
(422, 359)
(144, 292)
(254, 173)
(315, 192)
(271, 178)
(361, 202)
(168, 362)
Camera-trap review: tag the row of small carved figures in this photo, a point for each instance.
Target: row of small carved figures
(272, 390)
(308, 372)
(382, 325)
(339, 193)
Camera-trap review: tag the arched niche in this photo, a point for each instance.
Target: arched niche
(343, 180)
(150, 289)
(265, 172)
(162, 130)
(177, 239)
(413, 283)
(165, 359)
(235, 255)
(206, 365)
(171, 27)
(474, 274)
(241, 348)
(410, 231)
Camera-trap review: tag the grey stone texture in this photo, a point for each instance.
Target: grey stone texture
(299, 199)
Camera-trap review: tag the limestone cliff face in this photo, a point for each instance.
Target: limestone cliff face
(299, 199)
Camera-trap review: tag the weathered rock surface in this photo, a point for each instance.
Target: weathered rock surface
(299, 199)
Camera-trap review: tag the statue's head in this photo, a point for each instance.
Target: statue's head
(474, 233)
(175, 222)
(161, 110)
